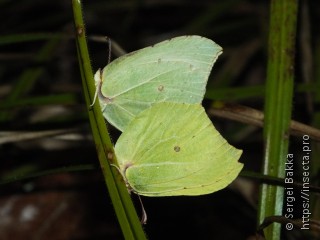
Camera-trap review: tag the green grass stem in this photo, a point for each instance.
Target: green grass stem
(124, 208)
(278, 106)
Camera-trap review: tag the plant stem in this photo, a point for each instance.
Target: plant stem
(278, 101)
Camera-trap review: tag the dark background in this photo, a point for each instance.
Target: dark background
(75, 204)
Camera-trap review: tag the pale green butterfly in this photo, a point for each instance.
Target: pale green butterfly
(174, 70)
(173, 149)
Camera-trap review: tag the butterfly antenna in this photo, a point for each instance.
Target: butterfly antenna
(144, 216)
(98, 82)
(109, 49)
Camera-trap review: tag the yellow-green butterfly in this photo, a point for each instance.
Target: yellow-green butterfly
(173, 149)
(175, 70)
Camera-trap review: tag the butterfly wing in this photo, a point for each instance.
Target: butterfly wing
(175, 70)
(173, 149)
